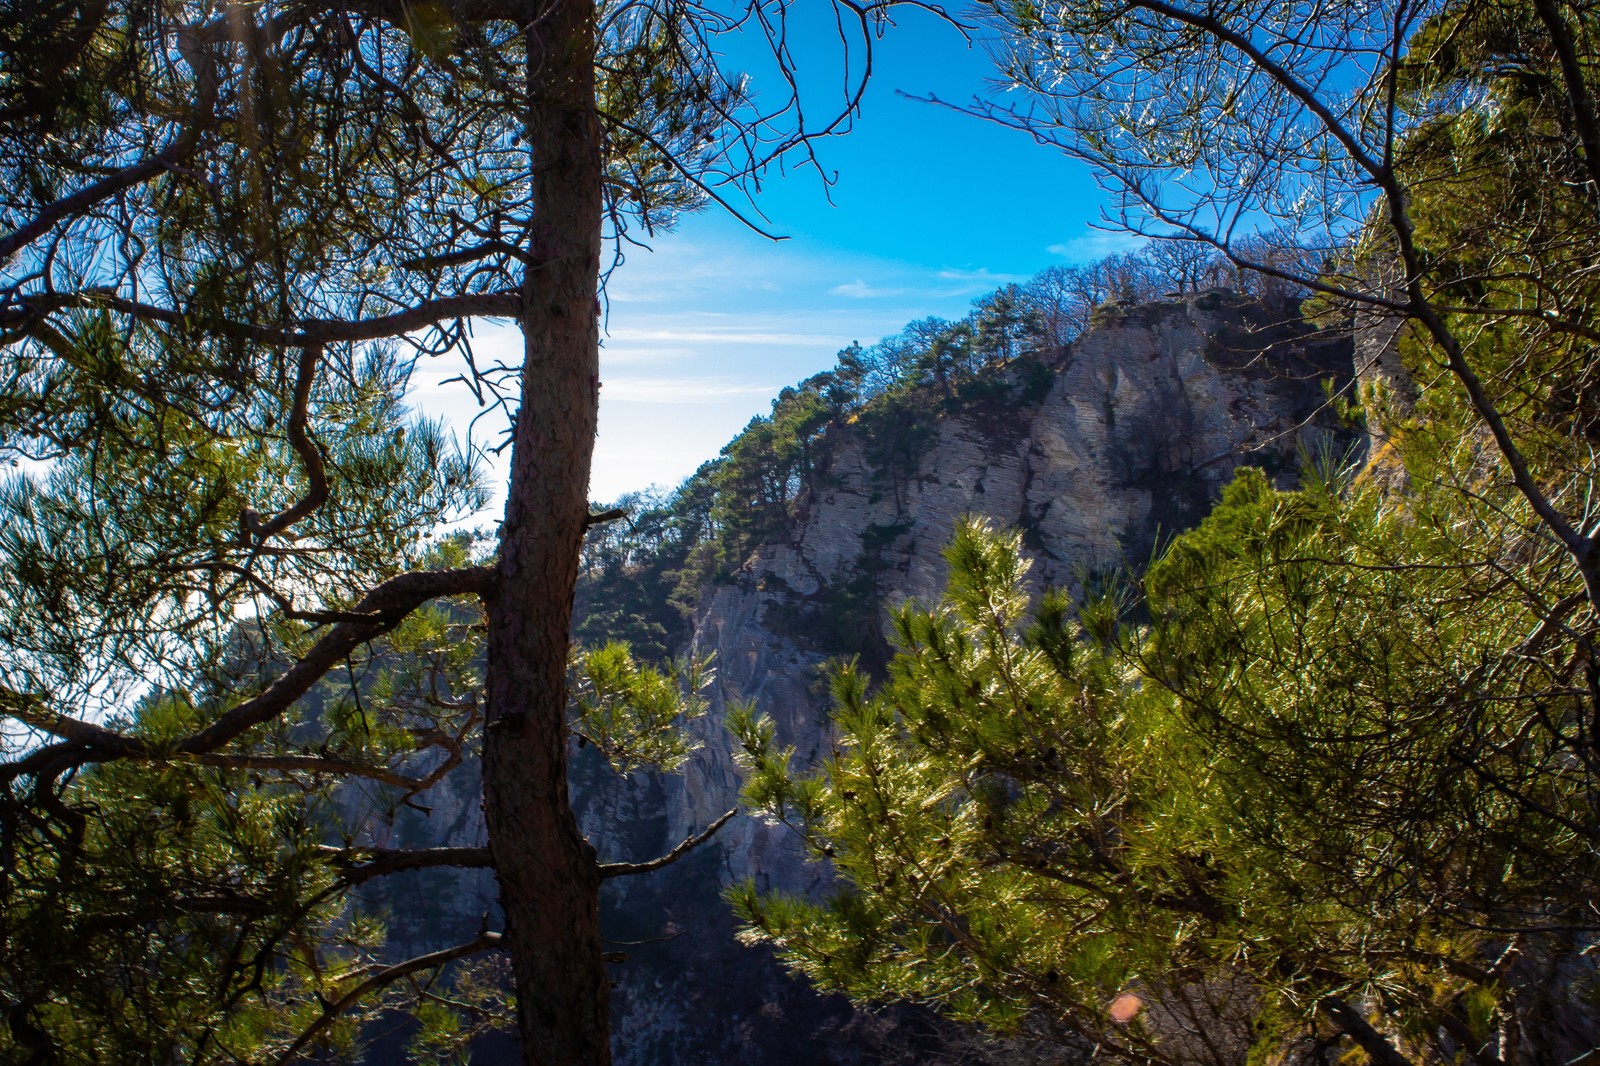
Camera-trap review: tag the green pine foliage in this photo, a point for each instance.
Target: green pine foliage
(635, 715)
(1333, 767)
(1001, 818)
(1333, 794)
(184, 879)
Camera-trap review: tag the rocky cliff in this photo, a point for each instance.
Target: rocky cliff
(1095, 451)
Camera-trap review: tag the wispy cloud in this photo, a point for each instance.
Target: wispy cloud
(939, 287)
(737, 269)
(681, 390)
(860, 290)
(716, 335)
(1096, 244)
(612, 355)
(982, 277)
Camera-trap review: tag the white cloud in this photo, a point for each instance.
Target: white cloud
(860, 290)
(639, 354)
(942, 285)
(739, 267)
(1096, 244)
(983, 276)
(680, 390)
(718, 335)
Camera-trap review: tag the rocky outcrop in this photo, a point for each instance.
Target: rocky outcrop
(1096, 452)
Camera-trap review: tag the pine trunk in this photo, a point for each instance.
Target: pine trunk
(549, 880)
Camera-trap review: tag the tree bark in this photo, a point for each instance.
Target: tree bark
(1357, 1028)
(549, 878)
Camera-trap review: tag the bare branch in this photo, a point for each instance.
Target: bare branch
(628, 869)
(505, 303)
(380, 862)
(306, 448)
(1578, 98)
(1361, 1031)
(314, 764)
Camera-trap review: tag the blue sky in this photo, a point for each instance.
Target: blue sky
(930, 209)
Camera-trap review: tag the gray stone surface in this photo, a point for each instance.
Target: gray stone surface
(1096, 452)
(1141, 424)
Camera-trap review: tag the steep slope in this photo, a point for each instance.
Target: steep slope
(1095, 451)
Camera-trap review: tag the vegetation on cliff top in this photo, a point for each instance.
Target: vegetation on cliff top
(641, 576)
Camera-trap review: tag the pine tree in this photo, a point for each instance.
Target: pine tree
(229, 234)
(1332, 791)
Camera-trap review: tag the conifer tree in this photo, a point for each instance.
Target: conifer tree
(229, 233)
(1314, 805)
(1338, 790)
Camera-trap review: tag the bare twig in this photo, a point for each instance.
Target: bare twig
(628, 869)
(364, 864)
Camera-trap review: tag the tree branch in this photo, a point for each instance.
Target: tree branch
(380, 862)
(1377, 1047)
(384, 607)
(311, 331)
(383, 978)
(306, 448)
(1303, 94)
(1578, 98)
(315, 764)
(628, 869)
(501, 304)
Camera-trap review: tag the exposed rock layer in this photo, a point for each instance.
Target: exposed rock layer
(1096, 452)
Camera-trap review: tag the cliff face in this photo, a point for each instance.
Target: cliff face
(1096, 452)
